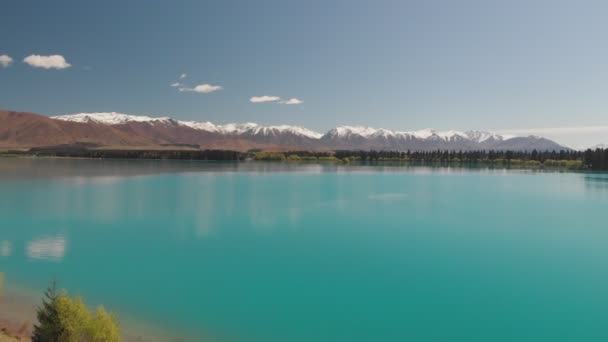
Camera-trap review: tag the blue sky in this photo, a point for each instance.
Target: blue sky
(529, 66)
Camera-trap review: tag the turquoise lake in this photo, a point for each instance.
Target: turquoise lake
(303, 252)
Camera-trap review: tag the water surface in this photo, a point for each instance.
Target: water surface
(305, 252)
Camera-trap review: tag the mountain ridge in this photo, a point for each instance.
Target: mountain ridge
(114, 118)
(118, 129)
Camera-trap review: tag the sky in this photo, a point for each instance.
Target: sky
(523, 67)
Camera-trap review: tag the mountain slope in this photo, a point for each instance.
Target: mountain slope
(25, 130)
(366, 138)
(116, 130)
(528, 143)
(30, 130)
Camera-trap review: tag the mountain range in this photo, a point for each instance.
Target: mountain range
(123, 131)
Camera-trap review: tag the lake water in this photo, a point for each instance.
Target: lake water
(302, 252)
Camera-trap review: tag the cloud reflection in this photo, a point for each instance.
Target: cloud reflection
(6, 248)
(85, 180)
(47, 248)
(387, 197)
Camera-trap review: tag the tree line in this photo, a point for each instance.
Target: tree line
(216, 155)
(464, 156)
(590, 159)
(596, 159)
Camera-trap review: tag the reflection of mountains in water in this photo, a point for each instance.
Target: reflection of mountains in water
(108, 171)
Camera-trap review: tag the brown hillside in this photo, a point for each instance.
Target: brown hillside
(19, 130)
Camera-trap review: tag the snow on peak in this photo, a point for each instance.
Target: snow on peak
(481, 136)
(344, 131)
(238, 128)
(202, 126)
(231, 128)
(114, 118)
(255, 129)
(431, 134)
(450, 135)
(368, 132)
(111, 118)
(423, 134)
(384, 133)
(295, 130)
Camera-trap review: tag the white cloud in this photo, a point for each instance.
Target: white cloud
(265, 98)
(292, 101)
(47, 62)
(5, 60)
(203, 88)
(182, 76)
(275, 99)
(176, 84)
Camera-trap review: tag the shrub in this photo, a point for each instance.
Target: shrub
(66, 319)
(74, 317)
(103, 328)
(328, 159)
(269, 156)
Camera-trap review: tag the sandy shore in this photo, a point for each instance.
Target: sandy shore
(5, 337)
(18, 315)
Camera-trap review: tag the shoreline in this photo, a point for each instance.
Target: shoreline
(18, 307)
(515, 164)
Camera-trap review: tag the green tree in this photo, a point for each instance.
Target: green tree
(65, 319)
(103, 327)
(80, 325)
(75, 319)
(49, 327)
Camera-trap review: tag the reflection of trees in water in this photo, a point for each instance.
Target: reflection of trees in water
(598, 182)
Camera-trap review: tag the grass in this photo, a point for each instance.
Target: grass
(8, 155)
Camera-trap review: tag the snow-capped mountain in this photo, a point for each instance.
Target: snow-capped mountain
(481, 136)
(368, 132)
(164, 130)
(357, 137)
(202, 126)
(348, 131)
(111, 118)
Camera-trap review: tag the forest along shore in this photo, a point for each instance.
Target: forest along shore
(566, 159)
